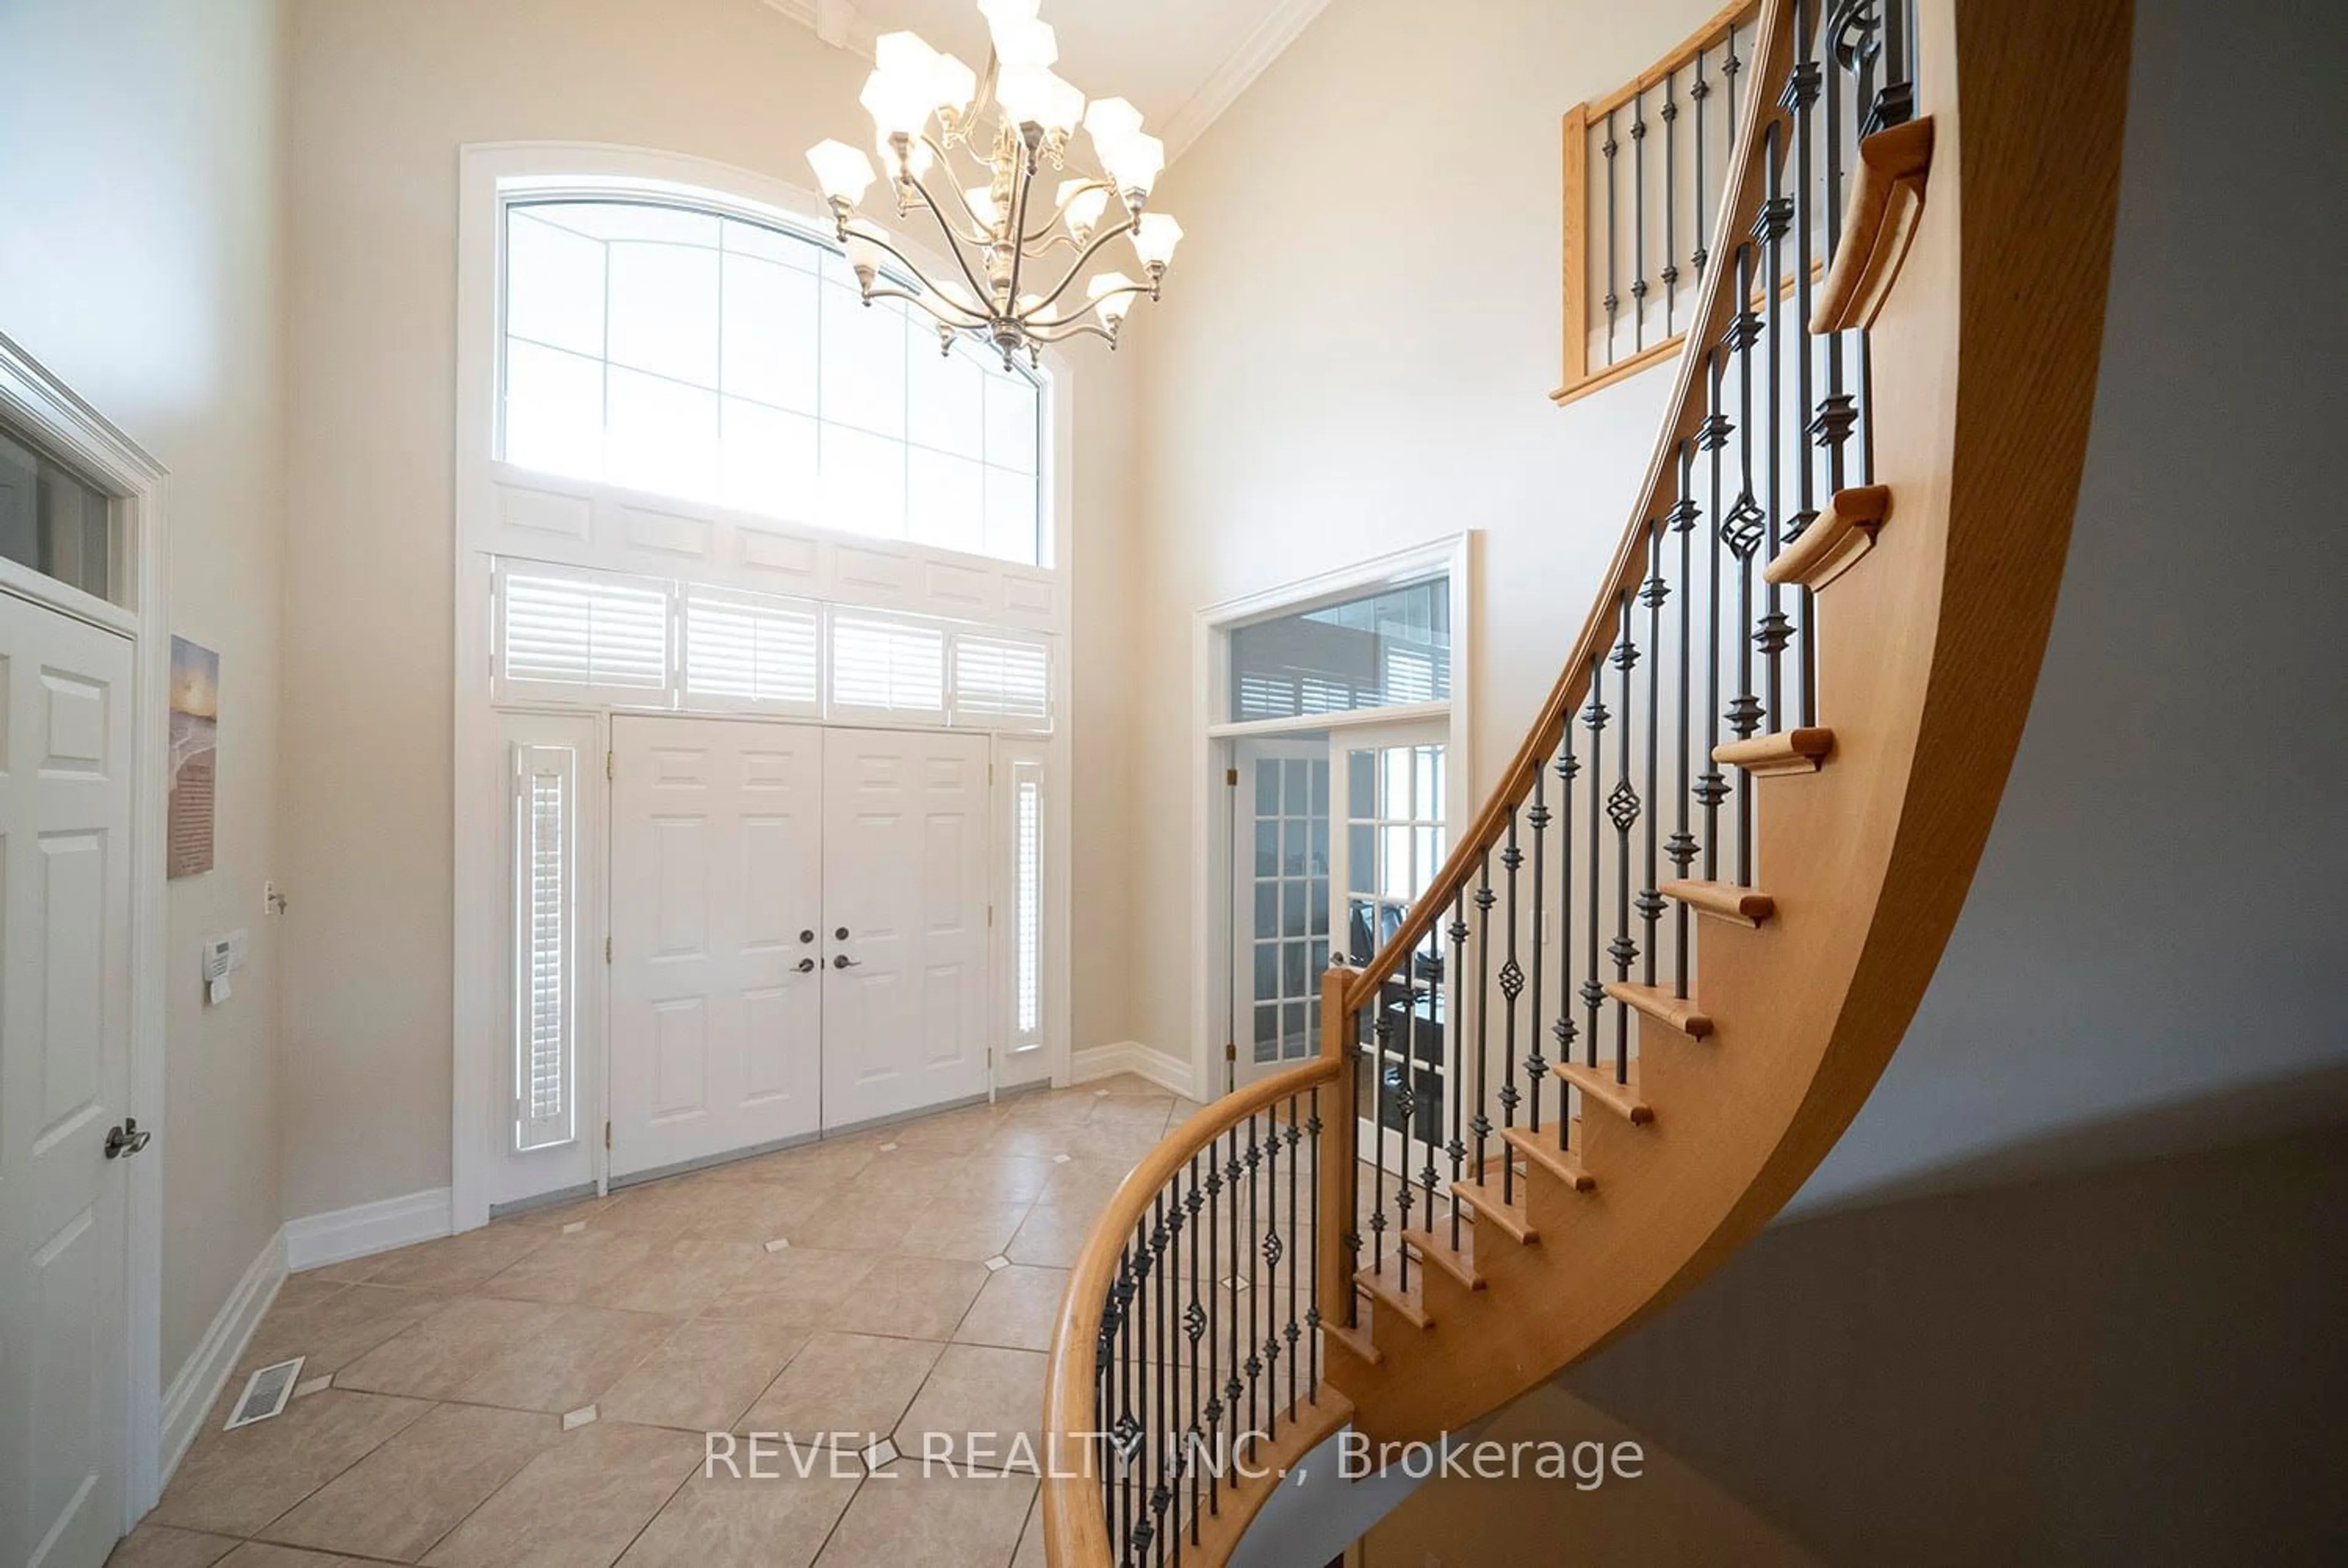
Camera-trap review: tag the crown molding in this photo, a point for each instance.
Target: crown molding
(839, 24)
(1272, 35)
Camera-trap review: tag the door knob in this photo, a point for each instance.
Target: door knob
(125, 1140)
(842, 961)
(806, 966)
(806, 935)
(841, 934)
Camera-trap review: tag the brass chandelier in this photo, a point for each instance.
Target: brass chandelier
(1014, 125)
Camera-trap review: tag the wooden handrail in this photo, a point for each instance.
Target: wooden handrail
(1076, 1531)
(1773, 57)
(1580, 379)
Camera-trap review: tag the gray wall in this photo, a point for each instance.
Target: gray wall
(2158, 919)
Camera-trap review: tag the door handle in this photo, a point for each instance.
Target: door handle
(841, 934)
(125, 1140)
(806, 965)
(842, 961)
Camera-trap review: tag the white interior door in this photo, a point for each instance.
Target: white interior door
(716, 1038)
(1281, 903)
(905, 922)
(66, 758)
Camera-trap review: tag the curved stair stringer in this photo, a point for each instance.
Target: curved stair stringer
(1983, 370)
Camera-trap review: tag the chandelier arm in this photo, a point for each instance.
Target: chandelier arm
(977, 318)
(1073, 329)
(1083, 257)
(929, 307)
(1062, 212)
(1018, 224)
(978, 290)
(982, 235)
(1090, 305)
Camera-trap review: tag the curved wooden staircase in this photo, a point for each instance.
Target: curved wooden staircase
(1847, 550)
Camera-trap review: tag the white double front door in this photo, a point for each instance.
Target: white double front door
(800, 932)
(66, 714)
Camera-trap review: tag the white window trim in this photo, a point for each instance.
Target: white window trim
(805, 562)
(1454, 555)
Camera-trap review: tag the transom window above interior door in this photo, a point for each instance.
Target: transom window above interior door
(1386, 649)
(693, 354)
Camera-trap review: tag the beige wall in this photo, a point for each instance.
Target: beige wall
(140, 262)
(1358, 358)
(384, 92)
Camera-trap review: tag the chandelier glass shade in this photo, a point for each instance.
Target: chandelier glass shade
(991, 158)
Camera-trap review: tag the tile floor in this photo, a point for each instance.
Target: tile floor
(916, 1293)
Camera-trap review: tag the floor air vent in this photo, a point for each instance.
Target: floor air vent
(265, 1393)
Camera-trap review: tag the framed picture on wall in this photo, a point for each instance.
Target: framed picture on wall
(195, 757)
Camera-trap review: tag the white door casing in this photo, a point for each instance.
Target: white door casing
(65, 806)
(906, 997)
(715, 1007)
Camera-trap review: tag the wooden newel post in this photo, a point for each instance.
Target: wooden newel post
(1339, 1043)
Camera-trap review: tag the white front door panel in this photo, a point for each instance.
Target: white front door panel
(905, 922)
(66, 714)
(716, 897)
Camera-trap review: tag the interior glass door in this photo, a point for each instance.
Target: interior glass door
(1394, 781)
(1283, 905)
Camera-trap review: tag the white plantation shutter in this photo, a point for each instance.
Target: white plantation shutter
(749, 649)
(545, 907)
(1002, 683)
(883, 665)
(575, 633)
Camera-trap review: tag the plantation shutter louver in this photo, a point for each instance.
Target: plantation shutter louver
(582, 633)
(995, 678)
(887, 666)
(546, 780)
(743, 649)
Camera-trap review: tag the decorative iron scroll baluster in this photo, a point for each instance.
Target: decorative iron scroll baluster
(1567, 767)
(1271, 1247)
(1299, 1257)
(1670, 271)
(1255, 1350)
(1512, 985)
(1623, 810)
(1156, 1396)
(1769, 226)
(1405, 1114)
(1594, 990)
(1214, 1360)
(1800, 97)
(1381, 1031)
(1482, 1124)
(1194, 1326)
(1742, 528)
(1536, 1065)
(1638, 245)
(1612, 299)
(1233, 1388)
(1712, 785)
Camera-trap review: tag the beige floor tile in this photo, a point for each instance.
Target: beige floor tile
(860, 1217)
(807, 1286)
(957, 1228)
(235, 1482)
(1127, 1085)
(1113, 1144)
(333, 1331)
(918, 1297)
(703, 1374)
(680, 1275)
(569, 1267)
(1134, 1113)
(1015, 1308)
(455, 1262)
(913, 1176)
(707, 1208)
(523, 1354)
(416, 1487)
(953, 1132)
(560, 1215)
(772, 1521)
(161, 1546)
(579, 1503)
(981, 1406)
(1085, 1184)
(1051, 1235)
(811, 1167)
(434, 1357)
(853, 1383)
(1031, 1540)
(911, 1521)
(1003, 1178)
(263, 1555)
(1038, 1138)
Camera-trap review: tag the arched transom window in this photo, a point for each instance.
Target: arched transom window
(694, 353)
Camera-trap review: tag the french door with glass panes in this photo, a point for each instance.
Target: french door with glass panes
(1390, 841)
(1281, 903)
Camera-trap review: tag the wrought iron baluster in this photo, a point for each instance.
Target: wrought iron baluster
(1712, 785)
(1153, 1387)
(1254, 1225)
(1743, 528)
(1801, 98)
(1769, 226)
(1653, 595)
(1482, 1124)
(1428, 1173)
(1638, 250)
(1699, 95)
(1512, 985)
(1271, 1247)
(1194, 1326)
(1831, 422)
(1671, 270)
(1406, 1113)
(1683, 849)
(1312, 1310)
(1594, 990)
(1233, 1388)
(1563, 1028)
(1213, 1363)
(1623, 810)
(1381, 1032)
(1536, 1065)
(1455, 1025)
(1608, 147)
(1300, 1256)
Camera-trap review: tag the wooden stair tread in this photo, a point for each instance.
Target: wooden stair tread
(1653, 1001)
(1598, 1083)
(1835, 539)
(1723, 900)
(1540, 1149)
(1385, 1286)
(1486, 1201)
(1436, 1251)
(1800, 751)
(1879, 218)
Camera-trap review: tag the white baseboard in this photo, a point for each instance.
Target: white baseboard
(366, 1229)
(1170, 1073)
(200, 1382)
